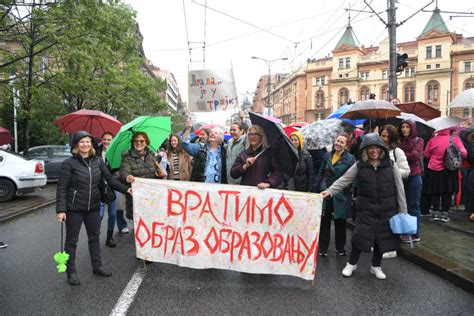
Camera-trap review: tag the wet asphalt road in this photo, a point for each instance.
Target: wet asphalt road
(30, 285)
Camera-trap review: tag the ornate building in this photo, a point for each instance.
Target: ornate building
(440, 65)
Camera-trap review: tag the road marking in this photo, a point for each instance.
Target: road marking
(128, 294)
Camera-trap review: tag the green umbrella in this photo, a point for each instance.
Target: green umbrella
(156, 127)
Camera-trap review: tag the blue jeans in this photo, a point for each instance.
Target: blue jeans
(112, 212)
(413, 194)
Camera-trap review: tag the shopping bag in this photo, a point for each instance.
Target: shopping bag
(403, 223)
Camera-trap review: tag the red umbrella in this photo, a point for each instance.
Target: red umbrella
(290, 129)
(298, 125)
(92, 121)
(5, 136)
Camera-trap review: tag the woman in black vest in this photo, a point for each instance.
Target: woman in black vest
(381, 195)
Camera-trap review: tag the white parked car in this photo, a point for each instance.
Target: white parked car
(19, 175)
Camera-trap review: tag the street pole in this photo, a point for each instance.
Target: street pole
(392, 37)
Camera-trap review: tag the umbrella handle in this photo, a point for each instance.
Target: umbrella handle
(62, 233)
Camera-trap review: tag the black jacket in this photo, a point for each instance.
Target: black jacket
(78, 185)
(303, 177)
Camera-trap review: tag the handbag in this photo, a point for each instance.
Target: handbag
(107, 194)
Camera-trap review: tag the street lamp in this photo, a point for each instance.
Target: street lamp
(269, 83)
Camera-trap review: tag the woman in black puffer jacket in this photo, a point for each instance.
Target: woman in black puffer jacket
(78, 197)
(303, 176)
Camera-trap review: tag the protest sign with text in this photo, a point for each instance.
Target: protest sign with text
(202, 225)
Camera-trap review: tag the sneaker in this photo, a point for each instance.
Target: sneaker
(435, 217)
(415, 239)
(406, 239)
(444, 217)
(3, 245)
(342, 253)
(390, 254)
(347, 271)
(377, 271)
(124, 230)
(323, 254)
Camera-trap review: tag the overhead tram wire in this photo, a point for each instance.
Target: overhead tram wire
(247, 23)
(187, 33)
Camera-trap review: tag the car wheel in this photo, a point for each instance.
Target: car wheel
(7, 190)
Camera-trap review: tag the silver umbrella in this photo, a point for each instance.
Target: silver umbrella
(444, 122)
(321, 133)
(463, 100)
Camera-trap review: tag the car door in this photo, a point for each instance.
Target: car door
(57, 155)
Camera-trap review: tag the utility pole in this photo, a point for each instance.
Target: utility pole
(392, 38)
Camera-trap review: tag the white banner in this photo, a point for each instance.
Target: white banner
(230, 227)
(212, 90)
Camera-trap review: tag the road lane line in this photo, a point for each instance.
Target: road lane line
(128, 294)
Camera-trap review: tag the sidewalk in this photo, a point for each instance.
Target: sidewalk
(446, 249)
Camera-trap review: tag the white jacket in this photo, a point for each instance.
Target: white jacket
(398, 156)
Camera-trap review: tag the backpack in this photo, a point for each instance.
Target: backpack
(452, 156)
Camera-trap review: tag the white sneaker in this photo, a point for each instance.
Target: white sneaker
(390, 254)
(377, 271)
(347, 271)
(124, 230)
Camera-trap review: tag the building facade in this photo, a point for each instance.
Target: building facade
(440, 66)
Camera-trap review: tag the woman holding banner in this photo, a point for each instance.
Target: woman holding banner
(380, 196)
(257, 165)
(335, 164)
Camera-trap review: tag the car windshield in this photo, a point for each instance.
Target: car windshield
(61, 151)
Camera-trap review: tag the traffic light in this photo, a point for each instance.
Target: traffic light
(401, 62)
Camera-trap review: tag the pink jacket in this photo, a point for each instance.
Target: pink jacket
(436, 148)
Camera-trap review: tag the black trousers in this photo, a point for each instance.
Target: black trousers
(325, 230)
(445, 201)
(376, 257)
(73, 228)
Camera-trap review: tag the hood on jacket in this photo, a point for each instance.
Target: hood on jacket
(80, 135)
(373, 139)
(465, 133)
(413, 132)
(300, 138)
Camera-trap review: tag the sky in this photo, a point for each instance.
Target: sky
(234, 31)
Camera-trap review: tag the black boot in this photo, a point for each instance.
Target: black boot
(101, 272)
(72, 278)
(110, 241)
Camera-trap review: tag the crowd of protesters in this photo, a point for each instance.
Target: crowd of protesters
(370, 178)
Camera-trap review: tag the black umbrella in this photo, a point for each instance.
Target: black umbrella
(276, 136)
(423, 130)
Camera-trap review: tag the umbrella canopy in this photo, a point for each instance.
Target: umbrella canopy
(422, 128)
(298, 125)
(463, 100)
(94, 122)
(156, 127)
(420, 109)
(5, 136)
(341, 111)
(290, 129)
(444, 122)
(287, 154)
(373, 109)
(322, 133)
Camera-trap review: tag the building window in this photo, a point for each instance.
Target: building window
(43, 64)
(438, 51)
(409, 93)
(469, 84)
(343, 96)
(428, 66)
(364, 75)
(429, 52)
(320, 81)
(320, 99)
(410, 72)
(364, 93)
(348, 62)
(438, 65)
(465, 113)
(384, 74)
(432, 92)
(467, 66)
(341, 63)
(384, 92)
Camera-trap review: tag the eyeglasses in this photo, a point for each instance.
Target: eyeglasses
(254, 134)
(139, 141)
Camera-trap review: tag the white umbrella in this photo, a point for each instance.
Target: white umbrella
(463, 100)
(444, 122)
(320, 134)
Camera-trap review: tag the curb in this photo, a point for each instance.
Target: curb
(26, 211)
(444, 268)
